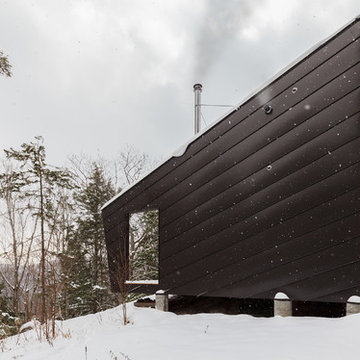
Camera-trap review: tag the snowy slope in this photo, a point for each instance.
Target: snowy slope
(157, 335)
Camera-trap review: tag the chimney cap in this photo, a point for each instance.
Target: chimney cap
(197, 87)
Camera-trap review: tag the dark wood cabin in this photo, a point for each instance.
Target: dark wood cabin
(266, 200)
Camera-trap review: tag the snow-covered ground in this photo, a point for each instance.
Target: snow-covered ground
(157, 335)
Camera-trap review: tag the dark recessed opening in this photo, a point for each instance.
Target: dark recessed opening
(321, 309)
(203, 304)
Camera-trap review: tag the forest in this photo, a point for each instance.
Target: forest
(53, 261)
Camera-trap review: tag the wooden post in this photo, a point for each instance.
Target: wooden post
(282, 305)
(161, 301)
(353, 305)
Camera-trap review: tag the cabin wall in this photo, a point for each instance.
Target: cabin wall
(263, 203)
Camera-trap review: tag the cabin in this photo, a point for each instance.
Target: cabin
(266, 201)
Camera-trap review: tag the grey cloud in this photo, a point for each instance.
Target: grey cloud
(80, 86)
(220, 24)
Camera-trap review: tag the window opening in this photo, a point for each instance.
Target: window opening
(144, 247)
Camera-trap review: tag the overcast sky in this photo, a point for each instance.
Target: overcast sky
(91, 76)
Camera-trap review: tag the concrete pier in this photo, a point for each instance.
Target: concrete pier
(161, 301)
(353, 305)
(282, 305)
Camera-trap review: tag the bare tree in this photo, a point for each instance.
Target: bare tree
(130, 165)
(40, 218)
(21, 230)
(122, 268)
(37, 183)
(144, 241)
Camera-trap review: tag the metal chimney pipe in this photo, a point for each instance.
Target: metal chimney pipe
(197, 122)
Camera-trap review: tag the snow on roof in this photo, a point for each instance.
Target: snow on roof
(182, 149)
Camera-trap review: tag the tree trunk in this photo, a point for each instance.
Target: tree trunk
(16, 259)
(43, 283)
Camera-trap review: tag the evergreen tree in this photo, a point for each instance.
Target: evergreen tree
(90, 235)
(76, 295)
(8, 323)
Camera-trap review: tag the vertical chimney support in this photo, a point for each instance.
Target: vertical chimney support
(197, 109)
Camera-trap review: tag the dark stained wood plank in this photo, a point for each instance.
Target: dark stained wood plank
(344, 293)
(278, 213)
(275, 252)
(332, 282)
(251, 205)
(319, 218)
(285, 277)
(117, 245)
(203, 202)
(329, 164)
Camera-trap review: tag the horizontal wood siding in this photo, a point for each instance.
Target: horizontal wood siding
(265, 203)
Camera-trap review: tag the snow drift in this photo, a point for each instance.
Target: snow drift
(152, 334)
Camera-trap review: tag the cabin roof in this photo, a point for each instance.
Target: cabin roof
(182, 149)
